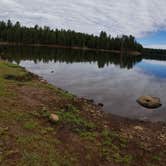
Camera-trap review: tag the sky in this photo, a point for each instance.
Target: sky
(145, 19)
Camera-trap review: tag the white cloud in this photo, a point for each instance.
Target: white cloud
(137, 17)
(155, 62)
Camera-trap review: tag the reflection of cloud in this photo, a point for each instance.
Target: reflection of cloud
(136, 17)
(153, 68)
(117, 88)
(160, 46)
(155, 62)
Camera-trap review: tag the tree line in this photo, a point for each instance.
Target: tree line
(16, 33)
(154, 51)
(46, 55)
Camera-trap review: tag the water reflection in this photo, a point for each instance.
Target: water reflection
(38, 54)
(111, 79)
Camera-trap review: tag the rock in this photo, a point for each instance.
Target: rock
(149, 102)
(101, 104)
(43, 81)
(54, 118)
(138, 128)
(90, 100)
(44, 109)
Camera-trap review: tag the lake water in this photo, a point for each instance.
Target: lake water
(114, 80)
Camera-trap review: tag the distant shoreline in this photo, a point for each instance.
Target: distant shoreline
(136, 53)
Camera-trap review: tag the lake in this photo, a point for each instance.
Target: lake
(112, 79)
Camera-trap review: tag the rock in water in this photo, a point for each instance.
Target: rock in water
(149, 102)
(54, 118)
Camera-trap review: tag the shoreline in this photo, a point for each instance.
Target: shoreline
(134, 53)
(82, 127)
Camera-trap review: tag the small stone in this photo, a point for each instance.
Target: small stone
(106, 126)
(138, 128)
(43, 81)
(149, 102)
(101, 104)
(44, 109)
(90, 100)
(54, 118)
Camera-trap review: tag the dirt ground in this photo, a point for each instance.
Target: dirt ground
(83, 135)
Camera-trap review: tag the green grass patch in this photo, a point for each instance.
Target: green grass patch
(30, 159)
(19, 77)
(156, 158)
(89, 135)
(26, 140)
(2, 87)
(112, 143)
(72, 118)
(30, 125)
(126, 159)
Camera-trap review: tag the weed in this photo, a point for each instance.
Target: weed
(89, 135)
(30, 125)
(31, 158)
(156, 158)
(74, 120)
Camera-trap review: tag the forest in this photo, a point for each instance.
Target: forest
(46, 55)
(18, 34)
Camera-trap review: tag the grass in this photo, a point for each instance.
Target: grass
(91, 136)
(72, 118)
(30, 158)
(30, 125)
(11, 69)
(25, 140)
(27, 137)
(2, 87)
(156, 158)
(112, 150)
(126, 159)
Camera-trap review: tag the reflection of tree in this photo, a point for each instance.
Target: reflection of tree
(45, 55)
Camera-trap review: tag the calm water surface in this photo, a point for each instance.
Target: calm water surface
(112, 80)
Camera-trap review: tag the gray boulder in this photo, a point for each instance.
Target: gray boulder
(149, 102)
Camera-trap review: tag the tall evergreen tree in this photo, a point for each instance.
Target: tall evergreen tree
(16, 33)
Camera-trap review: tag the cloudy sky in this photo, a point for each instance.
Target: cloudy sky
(145, 19)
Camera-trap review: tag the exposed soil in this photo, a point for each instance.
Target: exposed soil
(83, 136)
